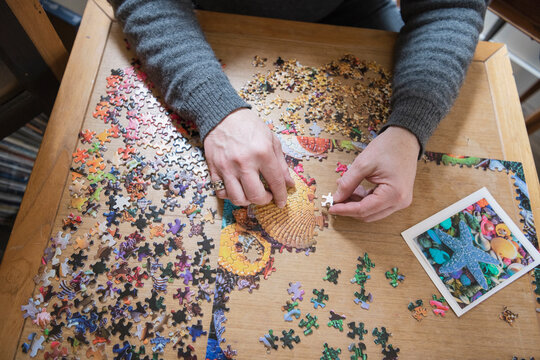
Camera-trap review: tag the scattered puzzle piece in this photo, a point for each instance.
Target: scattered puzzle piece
(336, 320)
(269, 340)
(309, 322)
(381, 336)
(394, 276)
(438, 307)
(196, 331)
(362, 298)
(356, 330)
(35, 344)
(330, 353)
(358, 351)
(321, 298)
(390, 353)
(332, 275)
(417, 310)
(295, 291)
(508, 316)
(289, 315)
(287, 339)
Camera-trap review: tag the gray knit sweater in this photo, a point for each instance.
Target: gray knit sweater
(433, 51)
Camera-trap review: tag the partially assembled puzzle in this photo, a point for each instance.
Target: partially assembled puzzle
(133, 269)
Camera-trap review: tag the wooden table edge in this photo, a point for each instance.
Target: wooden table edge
(512, 130)
(22, 257)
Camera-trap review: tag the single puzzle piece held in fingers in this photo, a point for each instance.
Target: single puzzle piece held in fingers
(328, 200)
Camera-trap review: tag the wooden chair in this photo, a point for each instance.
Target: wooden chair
(35, 55)
(524, 15)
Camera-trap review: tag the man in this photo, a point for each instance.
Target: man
(433, 51)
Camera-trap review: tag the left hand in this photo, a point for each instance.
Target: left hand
(389, 162)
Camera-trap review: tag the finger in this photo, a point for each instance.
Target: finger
(214, 176)
(278, 151)
(380, 215)
(350, 180)
(254, 189)
(359, 193)
(274, 178)
(234, 191)
(368, 206)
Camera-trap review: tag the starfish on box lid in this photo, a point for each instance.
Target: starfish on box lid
(465, 254)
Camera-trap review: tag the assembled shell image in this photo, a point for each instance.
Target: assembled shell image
(294, 225)
(235, 244)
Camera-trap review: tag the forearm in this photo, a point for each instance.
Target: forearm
(167, 38)
(433, 52)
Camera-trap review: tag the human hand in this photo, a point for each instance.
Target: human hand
(238, 150)
(389, 162)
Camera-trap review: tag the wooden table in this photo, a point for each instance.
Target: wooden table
(488, 101)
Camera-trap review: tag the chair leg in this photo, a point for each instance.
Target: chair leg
(530, 91)
(533, 122)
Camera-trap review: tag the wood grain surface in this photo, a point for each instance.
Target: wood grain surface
(486, 121)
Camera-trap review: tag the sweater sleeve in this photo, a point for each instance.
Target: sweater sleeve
(167, 38)
(433, 51)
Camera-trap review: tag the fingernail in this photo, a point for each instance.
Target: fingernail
(281, 204)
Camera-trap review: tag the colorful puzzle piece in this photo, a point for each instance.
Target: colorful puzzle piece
(269, 340)
(356, 330)
(288, 338)
(332, 275)
(381, 336)
(358, 351)
(394, 276)
(330, 353)
(295, 291)
(321, 298)
(309, 322)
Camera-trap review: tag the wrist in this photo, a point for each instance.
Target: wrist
(225, 123)
(403, 138)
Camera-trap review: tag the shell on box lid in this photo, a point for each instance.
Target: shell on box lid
(294, 225)
(504, 248)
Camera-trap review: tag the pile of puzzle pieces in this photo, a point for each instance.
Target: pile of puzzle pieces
(107, 275)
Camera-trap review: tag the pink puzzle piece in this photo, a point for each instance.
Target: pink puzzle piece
(439, 309)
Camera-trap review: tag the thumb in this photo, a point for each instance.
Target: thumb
(356, 173)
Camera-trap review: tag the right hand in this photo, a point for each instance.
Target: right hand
(240, 149)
